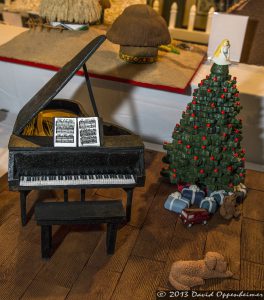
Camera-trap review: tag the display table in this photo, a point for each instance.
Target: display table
(148, 112)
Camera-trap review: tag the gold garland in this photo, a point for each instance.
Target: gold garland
(138, 59)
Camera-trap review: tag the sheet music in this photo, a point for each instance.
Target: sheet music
(88, 132)
(65, 130)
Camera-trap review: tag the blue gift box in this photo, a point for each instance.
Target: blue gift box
(194, 194)
(209, 204)
(176, 203)
(218, 196)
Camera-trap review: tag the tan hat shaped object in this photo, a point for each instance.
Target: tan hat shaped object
(139, 30)
(72, 11)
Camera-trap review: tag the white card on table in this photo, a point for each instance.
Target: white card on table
(231, 27)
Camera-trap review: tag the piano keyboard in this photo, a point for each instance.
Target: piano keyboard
(64, 180)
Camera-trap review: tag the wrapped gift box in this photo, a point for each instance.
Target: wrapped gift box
(175, 202)
(209, 204)
(194, 194)
(218, 196)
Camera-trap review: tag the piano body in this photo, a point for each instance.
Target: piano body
(34, 163)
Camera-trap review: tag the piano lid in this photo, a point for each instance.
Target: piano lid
(55, 85)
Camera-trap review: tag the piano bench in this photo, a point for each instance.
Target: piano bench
(79, 212)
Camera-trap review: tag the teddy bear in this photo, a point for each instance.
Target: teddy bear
(229, 208)
(187, 274)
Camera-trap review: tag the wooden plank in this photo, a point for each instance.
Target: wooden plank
(156, 235)
(3, 183)
(253, 276)
(224, 237)
(40, 289)
(139, 279)
(8, 205)
(126, 238)
(181, 249)
(252, 242)
(94, 283)
(252, 205)
(11, 235)
(255, 180)
(70, 257)
(19, 269)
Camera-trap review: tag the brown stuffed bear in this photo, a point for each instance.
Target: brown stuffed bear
(229, 208)
(187, 274)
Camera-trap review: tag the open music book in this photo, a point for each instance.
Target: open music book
(73, 132)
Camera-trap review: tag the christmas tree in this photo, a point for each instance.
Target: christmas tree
(206, 148)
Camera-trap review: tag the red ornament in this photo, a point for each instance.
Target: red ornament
(178, 125)
(174, 170)
(222, 112)
(235, 154)
(204, 138)
(195, 127)
(234, 86)
(212, 105)
(202, 83)
(243, 158)
(195, 157)
(224, 134)
(216, 170)
(215, 79)
(202, 171)
(188, 146)
(194, 102)
(237, 131)
(224, 148)
(203, 147)
(243, 150)
(225, 90)
(237, 103)
(231, 184)
(236, 95)
(209, 90)
(241, 174)
(208, 125)
(236, 140)
(212, 158)
(229, 125)
(230, 168)
(179, 141)
(165, 142)
(222, 96)
(174, 175)
(193, 115)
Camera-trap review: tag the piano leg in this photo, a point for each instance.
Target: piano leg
(23, 206)
(82, 194)
(66, 195)
(129, 193)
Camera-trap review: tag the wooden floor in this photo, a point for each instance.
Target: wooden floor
(145, 250)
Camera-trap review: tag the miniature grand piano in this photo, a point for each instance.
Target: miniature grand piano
(35, 164)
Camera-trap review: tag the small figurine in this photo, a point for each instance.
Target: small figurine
(222, 53)
(186, 274)
(190, 216)
(229, 209)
